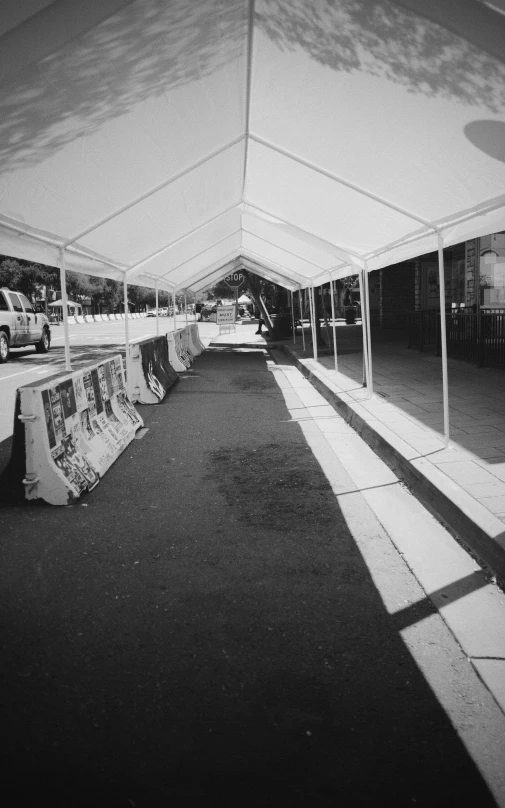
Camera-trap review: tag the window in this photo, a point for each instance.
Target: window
(492, 271)
(26, 303)
(16, 303)
(3, 303)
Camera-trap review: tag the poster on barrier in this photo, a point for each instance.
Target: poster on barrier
(158, 373)
(89, 392)
(63, 461)
(182, 353)
(57, 411)
(76, 427)
(48, 415)
(80, 395)
(96, 391)
(80, 462)
(86, 427)
(124, 405)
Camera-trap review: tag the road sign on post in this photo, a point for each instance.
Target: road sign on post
(235, 280)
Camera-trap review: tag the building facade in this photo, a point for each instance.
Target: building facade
(474, 281)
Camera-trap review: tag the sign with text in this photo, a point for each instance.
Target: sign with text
(235, 280)
(226, 314)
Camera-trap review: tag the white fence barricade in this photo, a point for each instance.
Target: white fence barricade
(152, 375)
(79, 318)
(71, 319)
(75, 426)
(88, 318)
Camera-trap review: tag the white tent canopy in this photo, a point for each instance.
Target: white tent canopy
(168, 142)
(59, 303)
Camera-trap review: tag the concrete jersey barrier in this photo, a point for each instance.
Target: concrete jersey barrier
(152, 375)
(184, 349)
(75, 426)
(195, 346)
(178, 354)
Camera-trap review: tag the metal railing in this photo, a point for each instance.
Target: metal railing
(472, 337)
(423, 329)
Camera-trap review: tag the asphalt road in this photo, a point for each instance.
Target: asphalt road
(202, 629)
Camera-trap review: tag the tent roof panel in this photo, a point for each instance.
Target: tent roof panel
(178, 208)
(178, 138)
(384, 96)
(312, 199)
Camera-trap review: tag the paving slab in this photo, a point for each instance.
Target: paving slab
(492, 673)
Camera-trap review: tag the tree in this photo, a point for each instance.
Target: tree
(112, 294)
(220, 290)
(22, 276)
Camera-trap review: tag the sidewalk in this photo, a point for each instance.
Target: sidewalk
(403, 422)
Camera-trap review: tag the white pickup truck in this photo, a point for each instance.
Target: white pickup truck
(21, 325)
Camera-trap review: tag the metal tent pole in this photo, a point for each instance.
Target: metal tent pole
(333, 323)
(127, 336)
(311, 316)
(363, 332)
(368, 332)
(314, 332)
(300, 296)
(186, 307)
(64, 303)
(293, 316)
(175, 311)
(157, 311)
(443, 338)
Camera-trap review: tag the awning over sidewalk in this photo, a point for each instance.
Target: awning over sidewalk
(165, 143)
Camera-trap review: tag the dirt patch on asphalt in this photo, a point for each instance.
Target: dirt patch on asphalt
(275, 487)
(252, 382)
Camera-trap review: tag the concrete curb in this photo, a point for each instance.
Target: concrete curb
(480, 531)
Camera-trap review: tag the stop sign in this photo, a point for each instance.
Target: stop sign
(235, 280)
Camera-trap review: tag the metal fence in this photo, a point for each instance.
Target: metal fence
(423, 329)
(473, 337)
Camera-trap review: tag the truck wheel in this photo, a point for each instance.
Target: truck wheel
(4, 347)
(45, 342)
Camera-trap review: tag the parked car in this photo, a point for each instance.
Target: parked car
(21, 325)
